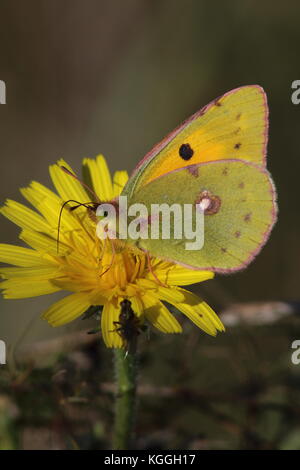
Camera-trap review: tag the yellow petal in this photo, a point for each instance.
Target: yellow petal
(42, 242)
(170, 294)
(194, 300)
(50, 207)
(98, 173)
(157, 314)
(163, 293)
(78, 285)
(200, 313)
(19, 256)
(119, 180)
(67, 309)
(147, 283)
(23, 216)
(34, 273)
(110, 314)
(105, 177)
(35, 192)
(67, 186)
(137, 306)
(177, 275)
(51, 212)
(16, 289)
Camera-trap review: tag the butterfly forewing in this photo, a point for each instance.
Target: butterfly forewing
(234, 126)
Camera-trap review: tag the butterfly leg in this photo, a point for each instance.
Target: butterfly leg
(112, 258)
(103, 249)
(152, 272)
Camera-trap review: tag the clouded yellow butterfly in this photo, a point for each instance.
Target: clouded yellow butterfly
(218, 153)
(217, 156)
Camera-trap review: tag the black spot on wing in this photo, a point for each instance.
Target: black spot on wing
(186, 152)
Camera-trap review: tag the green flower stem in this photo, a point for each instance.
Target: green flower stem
(126, 372)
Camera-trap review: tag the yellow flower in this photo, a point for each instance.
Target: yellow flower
(82, 262)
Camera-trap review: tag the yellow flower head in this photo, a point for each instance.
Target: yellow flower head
(83, 264)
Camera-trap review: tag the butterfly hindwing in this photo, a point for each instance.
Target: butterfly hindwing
(237, 226)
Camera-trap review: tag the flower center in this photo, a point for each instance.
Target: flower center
(119, 268)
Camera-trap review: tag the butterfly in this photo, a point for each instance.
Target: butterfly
(217, 157)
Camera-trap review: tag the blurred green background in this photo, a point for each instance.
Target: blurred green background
(89, 77)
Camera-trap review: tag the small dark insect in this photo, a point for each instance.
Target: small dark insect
(128, 326)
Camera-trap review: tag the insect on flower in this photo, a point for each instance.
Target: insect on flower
(128, 326)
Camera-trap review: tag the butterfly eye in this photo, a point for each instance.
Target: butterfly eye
(186, 152)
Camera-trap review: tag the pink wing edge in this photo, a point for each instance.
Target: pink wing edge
(163, 143)
(266, 234)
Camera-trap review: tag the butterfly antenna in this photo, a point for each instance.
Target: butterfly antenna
(68, 172)
(78, 204)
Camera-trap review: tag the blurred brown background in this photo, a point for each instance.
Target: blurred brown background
(88, 77)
